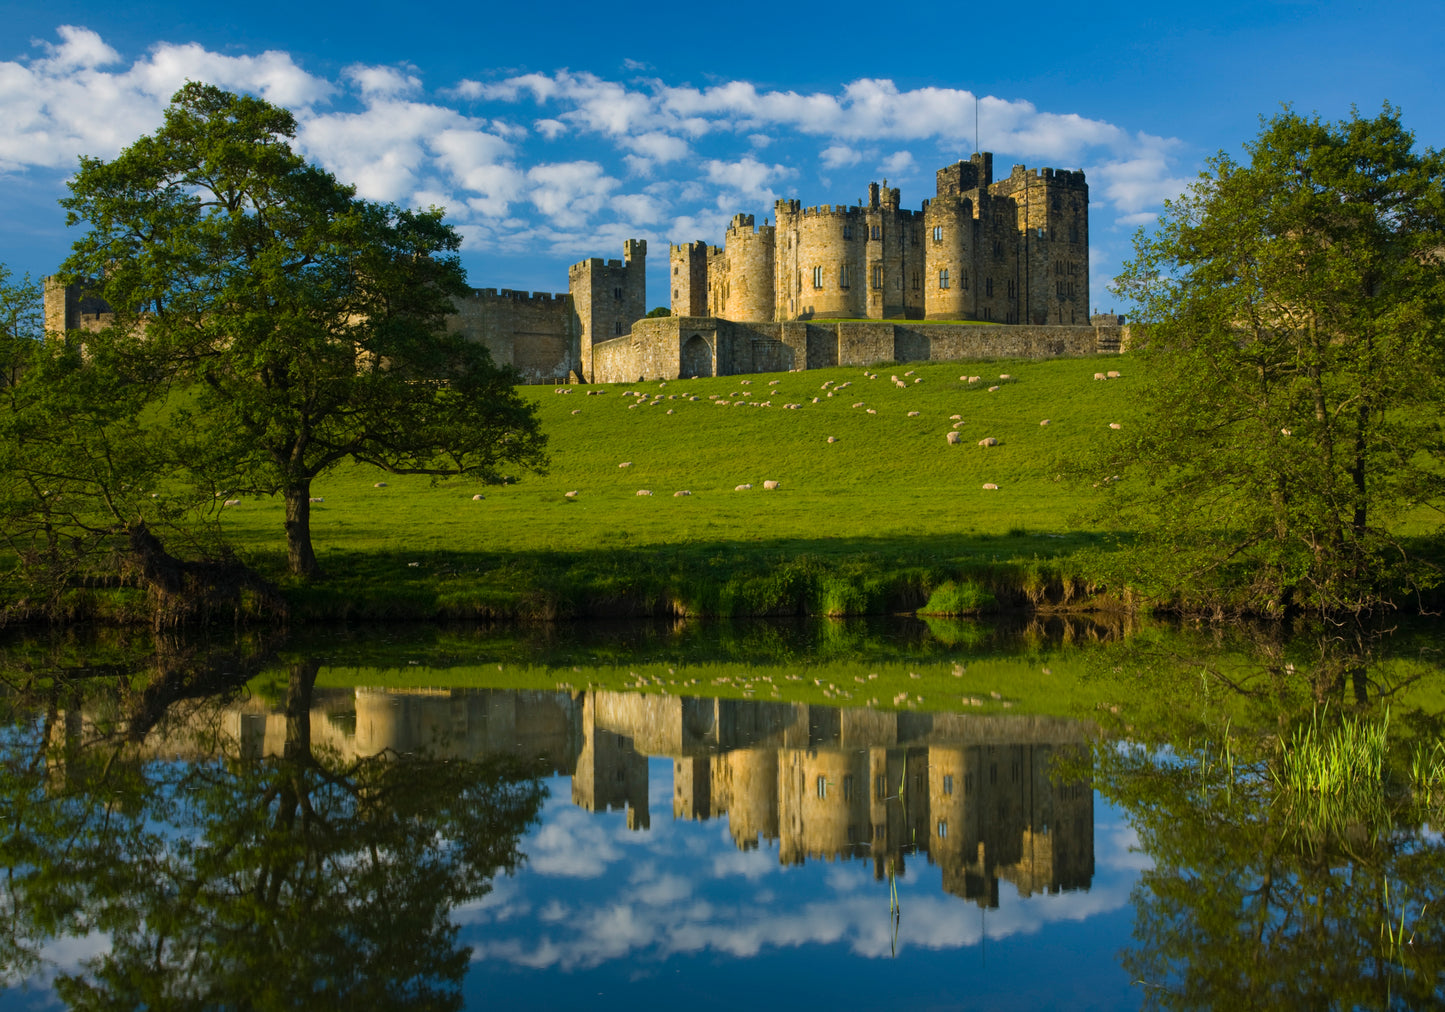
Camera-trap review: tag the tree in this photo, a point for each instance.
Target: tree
(309, 324)
(1292, 312)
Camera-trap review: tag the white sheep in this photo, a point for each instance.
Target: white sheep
(913, 414)
(953, 438)
(684, 492)
(741, 488)
(644, 491)
(770, 484)
(1113, 374)
(832, 439)
(570, 495)
(1044, 422)
(625, 463)
(988, 441)
(990, 486)
(992, 389)
(231, 502)
(1099, 376)
(478, 497)
(380, 484)
(1115, 425)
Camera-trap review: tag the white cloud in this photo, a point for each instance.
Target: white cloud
(382, 82)
(747, 177)
(839, 155)
(570, 193)
(900, 163)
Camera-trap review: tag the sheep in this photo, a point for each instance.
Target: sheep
(677, 495)
(1099, 376)
(570, 495)
(909, 373)
(858, 405)
(669, 411)
(953, 438)
(644, 491)
(955, 418)
(478, 497)
(872, 411)
(625, 463)
(742, 488)
(773, 383)
(1113, 374)
(770, 484)
(1044, 422)
(901, 385)
(815, 400)
(893, 378)
(832, 439)
(988, 441)
(992, 389)
(990, 486)
(913, 414)
(576, 411)
(380, 484)
(918, 379)
(1004, 376)
(1115, 425)
(958, 425)
(231, 502)
(317, 498)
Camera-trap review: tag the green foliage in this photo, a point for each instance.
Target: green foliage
(656, 312)
(307, 325)
(965, 598)
(1290, 315)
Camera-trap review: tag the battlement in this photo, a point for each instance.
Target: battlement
(742, 224)
(690, 248)
(1060, 177)
(516, 296)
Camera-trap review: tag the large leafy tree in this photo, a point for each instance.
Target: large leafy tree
(311, 323)
(1293, 321)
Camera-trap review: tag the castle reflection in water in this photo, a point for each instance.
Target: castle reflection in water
(971, 793)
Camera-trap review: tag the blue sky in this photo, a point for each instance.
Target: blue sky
(552, 137)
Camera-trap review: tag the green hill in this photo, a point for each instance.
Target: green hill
(875, 520)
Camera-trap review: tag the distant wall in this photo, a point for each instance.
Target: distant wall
(674, 347)
(531, 332)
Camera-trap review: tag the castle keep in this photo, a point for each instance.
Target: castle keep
(1007, 259)
(1014, 250)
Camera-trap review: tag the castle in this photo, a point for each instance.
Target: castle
(819, 287)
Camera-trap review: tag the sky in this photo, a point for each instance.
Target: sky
(552, 134)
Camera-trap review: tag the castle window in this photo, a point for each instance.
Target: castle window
(988, 287)
(617, 294)
(967, 784)
(822, 787)
(848, 788)
(915, 281)
(1073, 233)
(843, 276)
(817, 277)
(617, 327)
(1010, 288)
(674, 295)
(674, 272)
(877, 231)
(943, 278)
(877, 275)
(938, 233)
(880, 787)
(998, 247)
(948, 783)
(963, 281)
(880, 831)
(847, 231)
(943, 829)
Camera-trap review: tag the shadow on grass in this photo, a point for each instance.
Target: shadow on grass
(812, 576)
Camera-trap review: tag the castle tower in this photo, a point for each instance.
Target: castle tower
(689, 278)
(1051, 218)
(607, 297)
(949, 236)
(748, 281)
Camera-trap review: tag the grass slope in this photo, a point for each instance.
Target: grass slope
(889, 490)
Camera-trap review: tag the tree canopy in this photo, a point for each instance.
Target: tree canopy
(308, 326)
(1292, 313)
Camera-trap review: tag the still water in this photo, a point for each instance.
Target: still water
(289, 827)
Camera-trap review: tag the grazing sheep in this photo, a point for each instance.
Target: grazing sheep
(684, 492)
(231, 502)
(955, 418)
(570, 495)
(1113, 374)
(644, 491)
(918, 379)
(990, 486)
(741, 488)
(815, 400)
(953, 438)
(380, 484)
(913, 414)
(1004, 376)
(1044, 422)
(669, 411)
(992, 389)
(770, 484)
(1115, 425)
(631, 406)
(773, 383)
(832, 439)
(958, 425)
(576, 411)
(988, 441)
(1284, 432)
(745, 382)
(317, 498)
(858, 405)
(893, 378)
(625, 463)
(1099, 376)
(871, 411)
(478, 497)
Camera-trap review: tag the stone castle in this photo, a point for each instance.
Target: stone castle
(818, 287)
(978, 795)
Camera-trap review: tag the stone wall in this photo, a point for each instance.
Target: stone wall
(678, 347)
(533, 333)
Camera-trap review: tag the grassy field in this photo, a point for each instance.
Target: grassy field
(889, 494)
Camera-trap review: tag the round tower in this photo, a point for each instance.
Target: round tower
(947, 258)
(749, 294)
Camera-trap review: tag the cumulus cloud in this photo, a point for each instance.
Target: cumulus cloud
(839, 155)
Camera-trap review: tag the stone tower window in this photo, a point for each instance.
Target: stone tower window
(877, 275)
(943, 829)
(617, 294)
(822, 787)
(915, 281)
(948, 783)
(847, 231)
(848, 788)
(617, 327)
(877, 232)
(943, 278)
(963, 281)
(938, 233)
(817, 277)
(843, 276)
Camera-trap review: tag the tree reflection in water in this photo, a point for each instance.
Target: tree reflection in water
(221, 881)
(1264, 896)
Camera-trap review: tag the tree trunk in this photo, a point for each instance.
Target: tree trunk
(300, 557)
